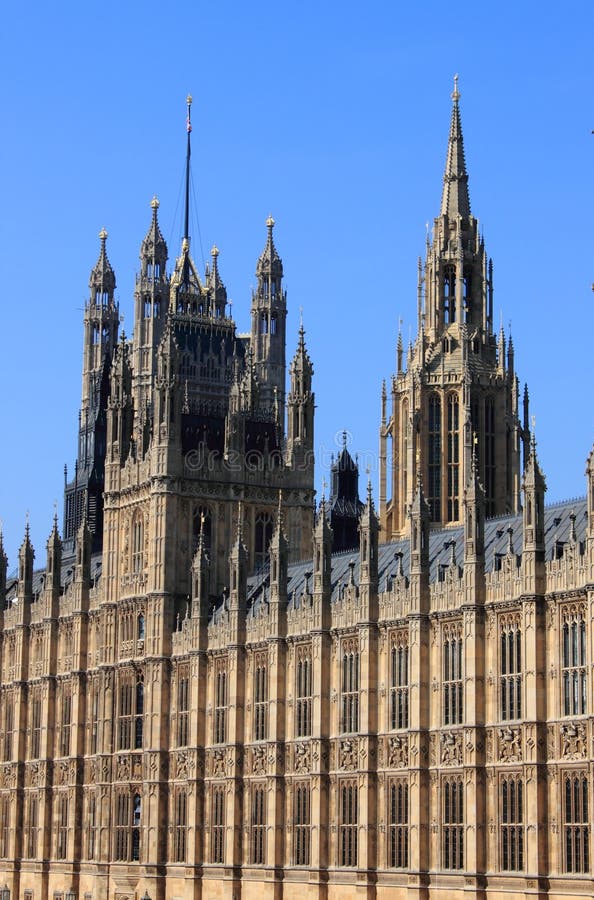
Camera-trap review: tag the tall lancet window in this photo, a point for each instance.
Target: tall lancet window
(574, 662)
(490, 456)
(453, 458)
(434, 458)
(449, 295)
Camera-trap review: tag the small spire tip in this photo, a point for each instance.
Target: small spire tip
(456, 92)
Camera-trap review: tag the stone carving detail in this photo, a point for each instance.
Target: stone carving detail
(510, 744)
(347, 758)
(551, 746)
(489, 747)
(123, 768)
(136, 767)
(259, 760)
(218, 763)
(184, 764)
(573, 740)
(301, 759)
(451, 749)
(398, 752)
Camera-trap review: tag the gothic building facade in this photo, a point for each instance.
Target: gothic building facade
(200, 699)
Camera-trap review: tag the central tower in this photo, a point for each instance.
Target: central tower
(458, 388)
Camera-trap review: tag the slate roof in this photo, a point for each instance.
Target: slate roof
(557, 533)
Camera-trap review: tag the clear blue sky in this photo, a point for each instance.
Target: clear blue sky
(334, 118)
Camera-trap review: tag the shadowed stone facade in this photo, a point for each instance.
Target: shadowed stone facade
(216, 705)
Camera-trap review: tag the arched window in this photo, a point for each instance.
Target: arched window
(574, 663)
(434, 458)
(449, 295)
(398, 833)
(217, 839)
(452, 654)
(263, 536)
(273, 324)
(264, 323)
(466, 298)
(399, 682)
(136, 816)
(453, 458)
(130, 711)
(576, 823)
(137, 545)
(302, 823)
(490, 456)
(303, 690)
(510, 668)
(350, 689)
(512, 827)
(348, 824)
(147, 307)
(453, 823)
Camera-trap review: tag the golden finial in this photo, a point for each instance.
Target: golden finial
(103, 234)
(270, 222)
(456, 94)
(214, 251)
(154, 203)
(189, 99)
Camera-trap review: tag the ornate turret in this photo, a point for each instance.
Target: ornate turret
(459, 379)
(345, 506)
(279, 561)
(54, 560)
(201, 578)
(101, 321)
(368, 546)
(322, 554)
(300, 406)
(121, 409)
(82, 569)
(533, 547)
(25, 576)
(474, 536)
(153, 250)
(217, 292)
(151, 298)
(269, 313)
(419, 549)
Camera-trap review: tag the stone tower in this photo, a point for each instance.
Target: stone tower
(83, 495)
(196, 426)
(458, 388)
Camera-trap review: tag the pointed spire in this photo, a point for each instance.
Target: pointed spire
(102, 280)
(269, 262)
(26, 557)
(154, 247)
(455, 200)
(214, 277)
